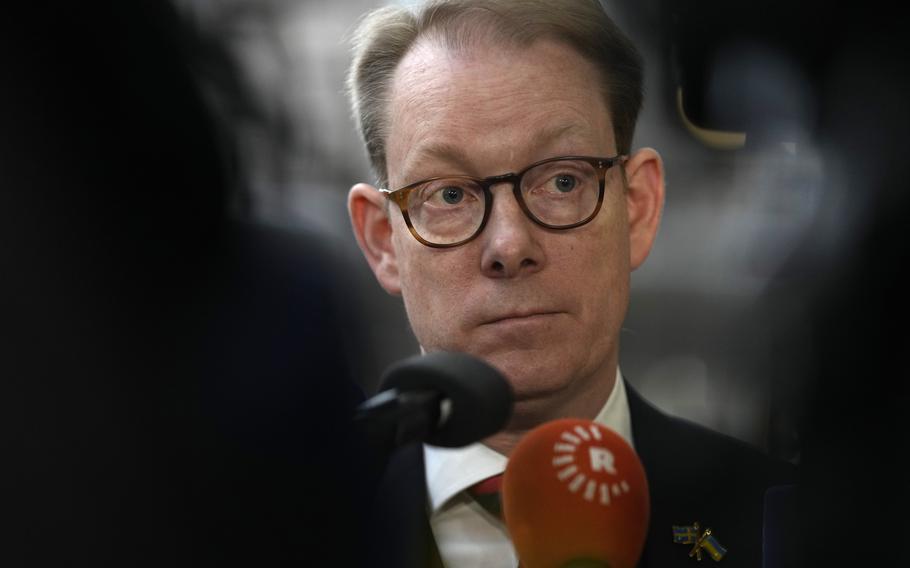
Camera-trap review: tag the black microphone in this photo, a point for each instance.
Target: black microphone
(443, 398)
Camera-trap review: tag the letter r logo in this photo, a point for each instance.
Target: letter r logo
(602, 460)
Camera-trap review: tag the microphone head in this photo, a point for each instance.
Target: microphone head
(480, 398)
(575, 493)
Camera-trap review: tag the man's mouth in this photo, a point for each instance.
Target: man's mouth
(518, 316)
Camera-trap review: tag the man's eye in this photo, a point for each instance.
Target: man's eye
(452, 195)
(565, 182)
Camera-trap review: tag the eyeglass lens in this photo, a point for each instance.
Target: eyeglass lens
(450, 210)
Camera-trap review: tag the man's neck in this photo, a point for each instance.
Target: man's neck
(527, 415)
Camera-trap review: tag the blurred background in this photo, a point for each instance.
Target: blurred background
(772, 307)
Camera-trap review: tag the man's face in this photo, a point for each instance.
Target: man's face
(543, 306)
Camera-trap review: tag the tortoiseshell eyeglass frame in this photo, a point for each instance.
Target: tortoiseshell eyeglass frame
(400, 195)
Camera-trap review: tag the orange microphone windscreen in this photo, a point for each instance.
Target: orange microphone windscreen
(575, 492)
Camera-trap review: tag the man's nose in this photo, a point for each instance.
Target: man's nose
(511, 241)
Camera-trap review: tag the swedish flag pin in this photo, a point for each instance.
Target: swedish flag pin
(692, 534)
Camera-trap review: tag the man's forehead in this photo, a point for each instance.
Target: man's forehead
(442, 102)
(429, 59)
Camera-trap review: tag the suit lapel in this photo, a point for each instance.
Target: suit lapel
(647, 423)
(695, 475)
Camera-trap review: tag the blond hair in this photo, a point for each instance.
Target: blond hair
(385, 36)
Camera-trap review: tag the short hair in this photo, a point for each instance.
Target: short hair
(385, 36)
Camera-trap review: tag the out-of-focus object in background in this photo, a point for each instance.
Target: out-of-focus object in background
(810, 74)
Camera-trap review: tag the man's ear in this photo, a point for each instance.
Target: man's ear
(370, 219)
(645, 202)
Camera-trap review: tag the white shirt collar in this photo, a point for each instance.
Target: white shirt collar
(451, 470)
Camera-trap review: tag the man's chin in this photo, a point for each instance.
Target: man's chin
(531, 391)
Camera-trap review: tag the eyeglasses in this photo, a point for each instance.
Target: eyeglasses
(558, 193)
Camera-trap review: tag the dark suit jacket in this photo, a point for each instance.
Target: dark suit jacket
(694, 474)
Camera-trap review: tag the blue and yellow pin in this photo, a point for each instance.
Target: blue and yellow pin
(691, 534)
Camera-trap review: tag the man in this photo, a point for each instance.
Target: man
(509, 214)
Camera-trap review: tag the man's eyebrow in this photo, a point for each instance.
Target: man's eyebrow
(552, 134)
(445, 152)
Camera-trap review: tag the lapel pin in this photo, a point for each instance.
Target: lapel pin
(692, 534)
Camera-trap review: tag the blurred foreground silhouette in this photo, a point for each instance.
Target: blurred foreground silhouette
(174, 382)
